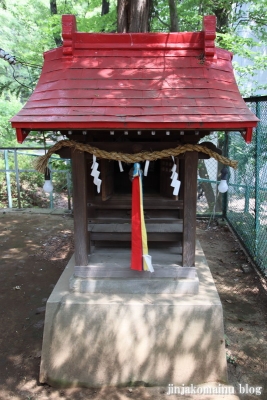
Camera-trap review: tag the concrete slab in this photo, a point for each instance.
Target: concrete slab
(60, 211)
(116, 339)
(52, 211)
(11, 210)
(37, 211)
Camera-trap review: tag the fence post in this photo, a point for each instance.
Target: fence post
(9, 194)
(51, 198)
(225, 195)
(17, 177)
(247, 196)
(257, 177)
(68, 189)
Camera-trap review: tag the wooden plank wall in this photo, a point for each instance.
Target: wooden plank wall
(80, 211)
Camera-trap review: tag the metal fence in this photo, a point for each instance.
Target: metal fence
(244, 205)
(21, 185)
(210, 202)
(247, 195)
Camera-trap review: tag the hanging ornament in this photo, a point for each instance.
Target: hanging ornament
(48, 186)
(223, 187)
(6, 56)
(120, 166)
(175, 183)
(146, 168)
(95, 173)
(140, 259)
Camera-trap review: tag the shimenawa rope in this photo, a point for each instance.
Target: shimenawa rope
(41, 163)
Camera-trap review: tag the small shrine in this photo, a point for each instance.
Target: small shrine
(135, 105)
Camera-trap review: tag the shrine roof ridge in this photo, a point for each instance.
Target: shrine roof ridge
(72, 39)
(155, 81)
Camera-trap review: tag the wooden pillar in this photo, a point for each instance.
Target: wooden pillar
(80, 211)
(190, 204)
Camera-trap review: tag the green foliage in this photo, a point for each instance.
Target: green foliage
(22, 33)
(28, 29)
(9, 105)
(30, 181)
(31, 194)
(235, 22)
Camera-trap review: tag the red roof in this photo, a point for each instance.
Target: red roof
(136, 81)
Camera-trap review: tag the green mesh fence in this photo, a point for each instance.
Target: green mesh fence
(209, 200)
(247, 194)
(21, 186)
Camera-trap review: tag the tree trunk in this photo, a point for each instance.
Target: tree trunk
(222, 16)
(223, 13)
(122, 18)
(133, 15)
(105, 7)
(53, 11)
(173, 16)
(53, 7)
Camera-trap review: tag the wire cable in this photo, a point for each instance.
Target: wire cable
(28, 64)
(22, 84)
(12, 60)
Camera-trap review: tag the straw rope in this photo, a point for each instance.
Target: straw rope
(41, 163)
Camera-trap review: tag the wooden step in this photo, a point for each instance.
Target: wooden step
(117, 216)
(125, 202)
(160, 220)
(122, 232)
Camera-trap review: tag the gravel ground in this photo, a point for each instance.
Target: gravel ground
(34, 249)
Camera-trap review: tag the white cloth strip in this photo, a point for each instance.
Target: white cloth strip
(148, 260)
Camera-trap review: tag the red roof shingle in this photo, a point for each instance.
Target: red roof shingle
(136, 81)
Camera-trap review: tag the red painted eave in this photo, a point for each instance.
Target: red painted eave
(136, 81)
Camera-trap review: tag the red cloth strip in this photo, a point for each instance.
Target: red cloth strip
(137, 251)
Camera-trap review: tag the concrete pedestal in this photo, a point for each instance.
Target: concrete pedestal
(108, 272)
(95, 339)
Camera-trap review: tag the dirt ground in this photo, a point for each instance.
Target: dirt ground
(35, 248)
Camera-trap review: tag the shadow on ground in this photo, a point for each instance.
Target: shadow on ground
(35, 248)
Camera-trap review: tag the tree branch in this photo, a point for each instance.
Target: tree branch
(160, 20)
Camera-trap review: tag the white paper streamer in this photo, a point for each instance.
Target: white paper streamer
(120, 166)
(146, 167)
(174, 179)
(95, 173)
(176, 188)
(94, 160)
(148, 260)
(175, 183)
(173, 171)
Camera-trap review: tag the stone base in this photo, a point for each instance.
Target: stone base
(101, 339)
(108, 271)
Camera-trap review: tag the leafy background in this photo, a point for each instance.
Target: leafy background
(30, 27)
